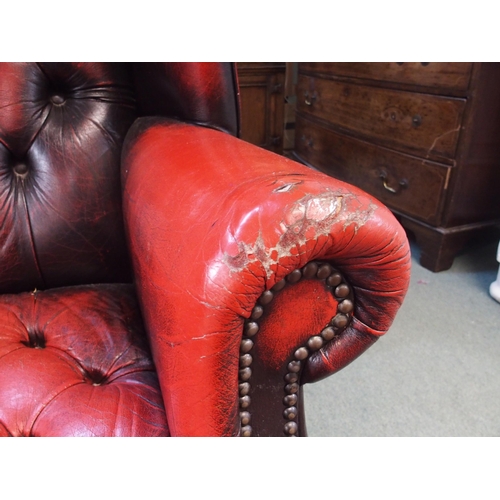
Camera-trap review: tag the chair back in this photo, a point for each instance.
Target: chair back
(62, 126)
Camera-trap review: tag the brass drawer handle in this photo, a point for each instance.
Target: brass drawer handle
(310, 98)
(403, 183)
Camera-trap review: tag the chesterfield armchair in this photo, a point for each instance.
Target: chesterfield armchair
(161, 277)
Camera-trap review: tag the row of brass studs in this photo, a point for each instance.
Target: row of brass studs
(343, 294)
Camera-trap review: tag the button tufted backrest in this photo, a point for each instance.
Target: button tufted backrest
(62, 126)
(61, 130)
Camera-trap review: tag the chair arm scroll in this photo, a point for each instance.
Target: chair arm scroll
(213, 225)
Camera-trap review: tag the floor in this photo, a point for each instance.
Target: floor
(435, 373)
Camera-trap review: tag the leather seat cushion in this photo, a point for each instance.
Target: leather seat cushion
(75, 361)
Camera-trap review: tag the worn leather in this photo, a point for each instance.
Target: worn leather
(76, 362)
(62, 127)
(208, 221)
(213, 222)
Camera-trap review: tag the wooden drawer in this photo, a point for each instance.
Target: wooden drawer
(451, 76)
(362, 164)
(421, 124)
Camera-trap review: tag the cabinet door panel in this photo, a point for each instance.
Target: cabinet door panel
(262, 104)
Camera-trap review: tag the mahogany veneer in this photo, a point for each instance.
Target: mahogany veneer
(421, 137)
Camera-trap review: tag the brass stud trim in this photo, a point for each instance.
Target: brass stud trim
(279, 286)
(294, 276)
(246, 431)
(294, 366)
(266, 298)
(246, 360)
(245, 417)
(245, 402)
(257, 312)
(251, 329)
(244, 388)
(291, 428)
(345, 308)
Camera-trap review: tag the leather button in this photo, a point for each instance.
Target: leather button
(57, 99)
(21, 169)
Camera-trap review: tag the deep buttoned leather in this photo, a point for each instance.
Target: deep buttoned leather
(212, 225)
(62, 127)
(61, 131)
(76, 362)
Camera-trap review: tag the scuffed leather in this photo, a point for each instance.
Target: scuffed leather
(212, 222)
(76, 362)
(62, 127)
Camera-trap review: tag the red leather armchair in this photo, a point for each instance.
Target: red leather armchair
(159, 276)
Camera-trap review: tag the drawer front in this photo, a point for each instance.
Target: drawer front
(445, 76)
(420, 124)
(411, 185)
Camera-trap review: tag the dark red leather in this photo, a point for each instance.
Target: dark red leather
(201, 93)
(212, 223)
(76, 362)
(61, 131)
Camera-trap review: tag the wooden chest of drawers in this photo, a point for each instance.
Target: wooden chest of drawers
(424, 138)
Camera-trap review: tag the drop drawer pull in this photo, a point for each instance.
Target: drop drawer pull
(403, 183)
(310, 98)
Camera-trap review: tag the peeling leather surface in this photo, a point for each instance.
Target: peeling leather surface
(213, 222)
(309, 218)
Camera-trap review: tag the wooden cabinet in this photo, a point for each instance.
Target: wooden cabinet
(262, 87)
(424, 138)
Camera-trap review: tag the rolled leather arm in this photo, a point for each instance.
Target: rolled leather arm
(213, 222)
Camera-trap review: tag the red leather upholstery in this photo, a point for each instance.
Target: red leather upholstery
(61, 130)
(62, 126)
(213, 223)
(75, 362)
(226, 240)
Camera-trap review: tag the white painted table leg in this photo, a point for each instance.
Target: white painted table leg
(495, 286)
